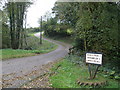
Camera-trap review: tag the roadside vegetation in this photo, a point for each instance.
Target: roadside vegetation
(67, 39)
(33, 48)
(88, 26)
(93, 28)
(66, 75)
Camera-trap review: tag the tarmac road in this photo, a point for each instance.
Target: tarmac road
(16, 72)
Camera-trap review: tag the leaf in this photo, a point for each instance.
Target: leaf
(117, 77)
(112, 73)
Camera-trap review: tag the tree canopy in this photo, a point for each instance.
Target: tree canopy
(14, 14)
(94, 27)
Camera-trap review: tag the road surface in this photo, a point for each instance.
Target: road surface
(18, 71)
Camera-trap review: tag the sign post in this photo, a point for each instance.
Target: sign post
(93, 59)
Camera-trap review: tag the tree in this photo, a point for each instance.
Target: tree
(16, 12)
(95, 26)
(66, 12)
(98, 28)
(4, 29)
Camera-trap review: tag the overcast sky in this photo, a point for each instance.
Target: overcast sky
(38, 9)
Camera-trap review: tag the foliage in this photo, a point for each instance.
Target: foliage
(34, 44)
(14, 24)
(5, 37)
(34, 48)
(5, 31)
(67, 39)
(66, 12)
(67, 73)
(16, 13)
(106, 71)
(95, 27)
(98, 27)
(110, 73)
(32, 30)
(51, 27)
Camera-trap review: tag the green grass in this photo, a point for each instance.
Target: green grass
(10, 53)
(33, 42)
(32, 34)
(66, 76)
(68, 39)
(68, 73)
(0, 54)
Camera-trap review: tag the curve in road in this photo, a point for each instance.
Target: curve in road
(20, 70)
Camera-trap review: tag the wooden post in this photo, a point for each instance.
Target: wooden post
(89, 69)
(96, 71)
(41, 30)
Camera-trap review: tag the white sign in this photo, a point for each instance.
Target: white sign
(94, 58)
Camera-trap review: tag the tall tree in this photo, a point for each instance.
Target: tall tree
(16, 11)
(4, 29)
(95, 26)
(66, 12)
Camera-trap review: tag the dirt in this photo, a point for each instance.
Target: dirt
(42, 81)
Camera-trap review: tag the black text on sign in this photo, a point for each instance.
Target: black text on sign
(94, 58)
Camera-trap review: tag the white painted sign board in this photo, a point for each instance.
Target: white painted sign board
(94, 58)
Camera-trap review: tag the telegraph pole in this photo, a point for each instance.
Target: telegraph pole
(41, 30)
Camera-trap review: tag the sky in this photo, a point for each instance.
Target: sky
(38, 9)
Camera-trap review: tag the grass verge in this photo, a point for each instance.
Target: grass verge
(67, 74)
(33, 43)
(32, 34)
(67, 39)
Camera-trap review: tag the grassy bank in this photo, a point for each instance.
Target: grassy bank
(67, 74)
(33, 43)
(67, 39)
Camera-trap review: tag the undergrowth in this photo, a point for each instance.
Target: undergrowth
(67, 72)
(33, 48)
